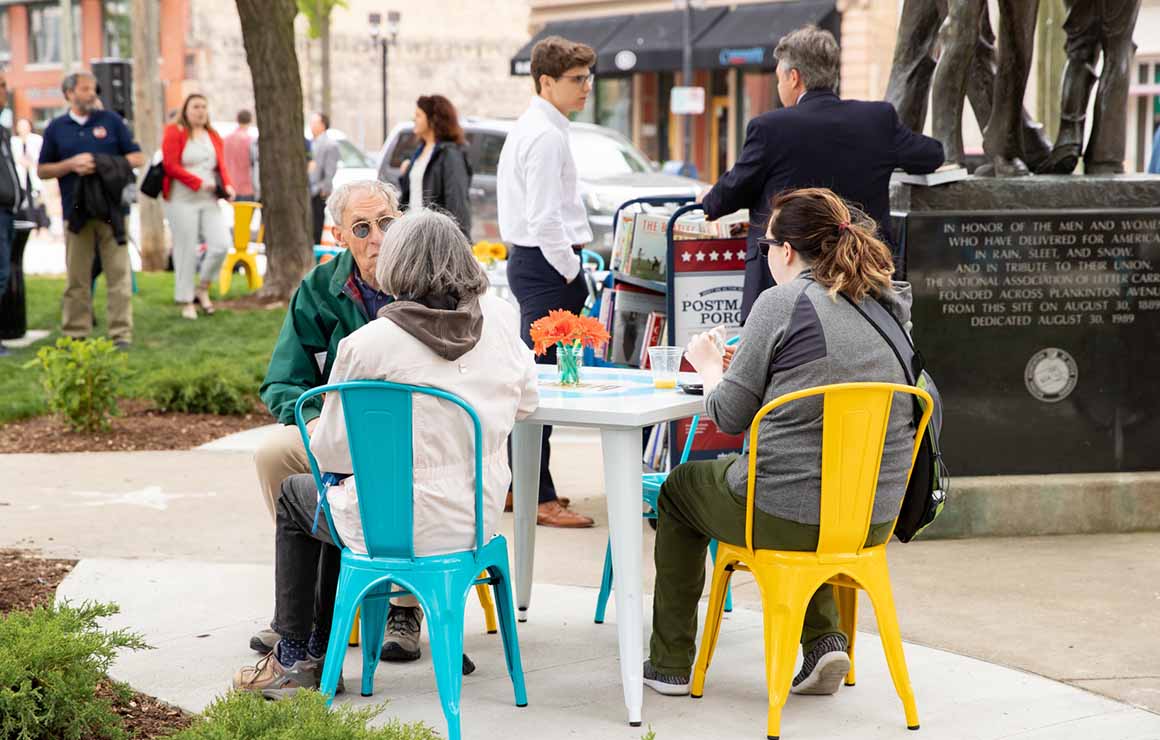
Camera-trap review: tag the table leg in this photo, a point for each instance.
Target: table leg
(622, 469)
(526, 439)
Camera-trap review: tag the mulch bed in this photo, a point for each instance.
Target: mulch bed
(140, 427)
(27, 581)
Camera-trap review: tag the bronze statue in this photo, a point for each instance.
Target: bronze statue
(1095, 26)
(1002, 142)
(966, 68)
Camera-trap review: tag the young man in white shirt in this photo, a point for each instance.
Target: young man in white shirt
(541, 214)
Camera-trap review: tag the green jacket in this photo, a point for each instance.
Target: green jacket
(326, 308)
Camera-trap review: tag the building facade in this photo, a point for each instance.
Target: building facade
(31, 50)
(441, 47)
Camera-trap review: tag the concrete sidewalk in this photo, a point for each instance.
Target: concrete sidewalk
(1079, 609)
(572, 671)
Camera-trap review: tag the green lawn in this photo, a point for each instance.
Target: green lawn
(161, 338)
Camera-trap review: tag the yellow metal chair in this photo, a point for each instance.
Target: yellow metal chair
(240, 254)
(854, 423)
(484, 600)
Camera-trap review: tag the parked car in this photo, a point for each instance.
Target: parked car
(353, 163)
(611, 171)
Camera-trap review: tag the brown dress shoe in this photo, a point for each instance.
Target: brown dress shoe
(552, 514)
(563, 500)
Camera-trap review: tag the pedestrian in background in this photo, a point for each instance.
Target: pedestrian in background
(11, 197)
(438, 174)
(323, 165)
(196, 177)
(239, 156)
(86, 141)
(26, 146)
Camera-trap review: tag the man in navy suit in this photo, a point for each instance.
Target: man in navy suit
(816, 140)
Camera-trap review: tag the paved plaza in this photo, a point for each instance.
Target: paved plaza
(1006, 637)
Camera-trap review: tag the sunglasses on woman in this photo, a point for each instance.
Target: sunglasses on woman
(362, 229)
(765, 244)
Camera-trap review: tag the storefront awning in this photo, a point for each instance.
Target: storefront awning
(591, 31)
(653, 42)
(747, 36)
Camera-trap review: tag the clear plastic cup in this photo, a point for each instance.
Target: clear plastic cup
(665, 363)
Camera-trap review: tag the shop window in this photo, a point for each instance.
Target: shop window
(118, 29)
(614, 104)
(5, 44)
(44, 38)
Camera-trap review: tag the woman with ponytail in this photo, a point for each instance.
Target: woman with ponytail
(804, 332)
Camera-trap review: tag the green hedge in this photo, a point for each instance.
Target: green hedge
(244, 715)
(51, 660)
(208, 388)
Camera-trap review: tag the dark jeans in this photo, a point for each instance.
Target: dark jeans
(7, 234)
(696, 504)
(540, 289)
(306, 565)
(318, 211)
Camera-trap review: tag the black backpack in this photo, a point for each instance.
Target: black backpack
(926, 493)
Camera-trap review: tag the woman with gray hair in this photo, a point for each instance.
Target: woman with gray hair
(442, 331)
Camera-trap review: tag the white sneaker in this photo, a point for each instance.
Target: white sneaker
(666, 685)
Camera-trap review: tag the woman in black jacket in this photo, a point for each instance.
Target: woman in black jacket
(438, 174)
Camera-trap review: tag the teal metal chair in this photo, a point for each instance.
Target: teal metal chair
(378, 418)
(587, 256)
(651, 489)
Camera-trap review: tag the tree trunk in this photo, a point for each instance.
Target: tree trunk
(324, 40)
(147, 123)
(268, 35)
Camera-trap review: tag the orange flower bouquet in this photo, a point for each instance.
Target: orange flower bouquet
(571, 334)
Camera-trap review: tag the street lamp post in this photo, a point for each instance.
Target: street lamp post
(384, 38)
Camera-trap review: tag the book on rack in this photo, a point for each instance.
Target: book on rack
(656, 449)
(650, 246)
(943, 175)
(696, 226)
(654, 333)
(607, 304)
(631, 307)
(622, 241)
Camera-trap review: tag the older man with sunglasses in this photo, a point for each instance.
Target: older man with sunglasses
(334, 300)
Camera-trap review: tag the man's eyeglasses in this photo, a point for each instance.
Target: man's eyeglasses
(581, 80)
(362, 229)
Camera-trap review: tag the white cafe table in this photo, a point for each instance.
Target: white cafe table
(618, 403)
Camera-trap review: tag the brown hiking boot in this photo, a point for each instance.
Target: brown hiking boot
(272, 680)
(552, 514)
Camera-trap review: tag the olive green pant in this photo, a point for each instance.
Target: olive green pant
(696, 505)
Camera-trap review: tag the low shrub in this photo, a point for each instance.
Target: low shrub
(213, 388)
(243, 715)
(51, 660)
(83, 379)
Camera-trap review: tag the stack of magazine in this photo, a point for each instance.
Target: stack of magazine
(634, 312)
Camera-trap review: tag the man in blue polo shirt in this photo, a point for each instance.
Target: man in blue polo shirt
(70, 142)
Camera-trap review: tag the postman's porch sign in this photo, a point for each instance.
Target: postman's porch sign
(706, 278)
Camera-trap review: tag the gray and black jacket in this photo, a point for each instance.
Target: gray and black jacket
(797, 336)
(446, 182)
(11, 194)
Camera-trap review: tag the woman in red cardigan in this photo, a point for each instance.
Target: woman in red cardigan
(195, 178)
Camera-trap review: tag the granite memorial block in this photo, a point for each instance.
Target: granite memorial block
(1039, 317)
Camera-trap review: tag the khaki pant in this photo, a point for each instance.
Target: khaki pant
(77, 306)
(280, 456)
